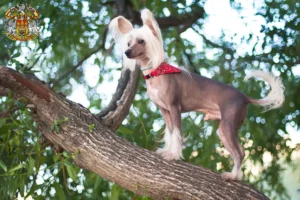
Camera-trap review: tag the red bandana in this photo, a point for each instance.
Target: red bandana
(164, 68)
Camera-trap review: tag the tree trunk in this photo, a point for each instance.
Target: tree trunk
(101, 151)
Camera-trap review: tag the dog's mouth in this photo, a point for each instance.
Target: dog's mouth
(133, 56)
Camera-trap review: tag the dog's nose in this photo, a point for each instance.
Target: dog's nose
(128, 53)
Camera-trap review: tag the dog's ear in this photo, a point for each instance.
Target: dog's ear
(124, 25)
(120, 26)
(149, 20)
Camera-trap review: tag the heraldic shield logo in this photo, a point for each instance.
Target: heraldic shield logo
(21, 23)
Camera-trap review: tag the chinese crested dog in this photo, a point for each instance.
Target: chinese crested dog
(175, 92)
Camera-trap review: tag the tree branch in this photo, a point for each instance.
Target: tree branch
(118, 108)
(180, 20)
(126, 9)
(207, 41)
(114, 158)
(3, 91)
(265, 58)
(73, 68)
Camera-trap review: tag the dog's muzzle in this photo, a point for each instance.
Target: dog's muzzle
(128, 53)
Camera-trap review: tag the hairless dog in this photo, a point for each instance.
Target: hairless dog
(176, 91)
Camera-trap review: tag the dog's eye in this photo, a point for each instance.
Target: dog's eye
(128, 44)
(140, 41)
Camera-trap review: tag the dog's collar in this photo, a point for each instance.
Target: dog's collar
(163, 68)
(145, 68)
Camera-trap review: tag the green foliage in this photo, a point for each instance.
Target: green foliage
(56, 124)
(19, 149)
(73, 40)
(91, 127)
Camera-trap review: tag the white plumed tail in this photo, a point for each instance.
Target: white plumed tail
(275, 98)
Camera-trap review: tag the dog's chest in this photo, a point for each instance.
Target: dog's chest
(154, 95)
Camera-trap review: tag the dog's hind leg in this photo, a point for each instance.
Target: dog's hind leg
(232, 118)
(228, 136)
(173, 142)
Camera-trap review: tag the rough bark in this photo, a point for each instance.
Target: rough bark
(118, 108)
(114, 158)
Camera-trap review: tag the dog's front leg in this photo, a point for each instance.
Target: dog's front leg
(173, 142)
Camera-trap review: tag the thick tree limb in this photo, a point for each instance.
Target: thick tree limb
(118, 108)
(173, 21)
(3, 91)
(114, 158)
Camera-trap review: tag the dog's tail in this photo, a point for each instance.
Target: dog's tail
(275, 98)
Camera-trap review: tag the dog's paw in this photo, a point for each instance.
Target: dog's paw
(231, 176)
(168, 155)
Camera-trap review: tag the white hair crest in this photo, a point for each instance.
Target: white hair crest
(121, 29)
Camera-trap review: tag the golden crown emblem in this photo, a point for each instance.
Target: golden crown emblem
(21, 23)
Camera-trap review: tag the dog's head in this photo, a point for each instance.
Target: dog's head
(142, 44)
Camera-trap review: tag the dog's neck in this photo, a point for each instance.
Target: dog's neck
(145, 68)
(145, 64)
